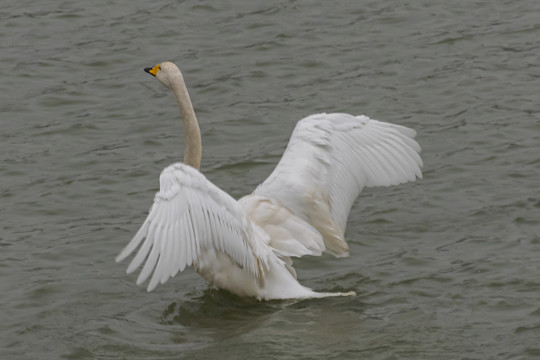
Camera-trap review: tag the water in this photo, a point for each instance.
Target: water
(445, 268)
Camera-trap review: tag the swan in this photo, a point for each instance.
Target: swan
(247, 246)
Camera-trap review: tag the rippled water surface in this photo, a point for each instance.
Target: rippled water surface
(444, 268)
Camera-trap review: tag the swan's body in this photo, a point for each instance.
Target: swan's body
(301, 209)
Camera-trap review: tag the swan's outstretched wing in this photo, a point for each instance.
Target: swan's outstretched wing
(329, 159)
(190, 213)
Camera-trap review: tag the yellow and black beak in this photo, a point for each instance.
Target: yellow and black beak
(152, 71)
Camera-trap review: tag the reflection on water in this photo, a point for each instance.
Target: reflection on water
(236, 315)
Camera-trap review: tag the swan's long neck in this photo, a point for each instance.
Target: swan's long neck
(192, 133)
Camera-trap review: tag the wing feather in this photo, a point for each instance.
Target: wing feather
(167, 265)
(188, 253)
(152, 258)
(143, 251)
(186, 236)
(160, 271)
(189, 214)
(139, 236)
(175, 248)
(330, 158)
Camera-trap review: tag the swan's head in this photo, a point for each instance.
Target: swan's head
(166, 73)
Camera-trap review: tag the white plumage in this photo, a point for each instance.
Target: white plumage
(190, 214)
(329, 159)
(301, 209)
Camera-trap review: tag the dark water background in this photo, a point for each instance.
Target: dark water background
(445, 268)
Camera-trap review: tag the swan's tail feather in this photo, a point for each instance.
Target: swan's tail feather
(332, 294)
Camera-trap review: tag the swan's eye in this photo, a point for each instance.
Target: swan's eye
(159, 67)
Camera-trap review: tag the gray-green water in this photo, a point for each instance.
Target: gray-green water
(445, 268)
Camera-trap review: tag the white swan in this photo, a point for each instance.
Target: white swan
(301, 209)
